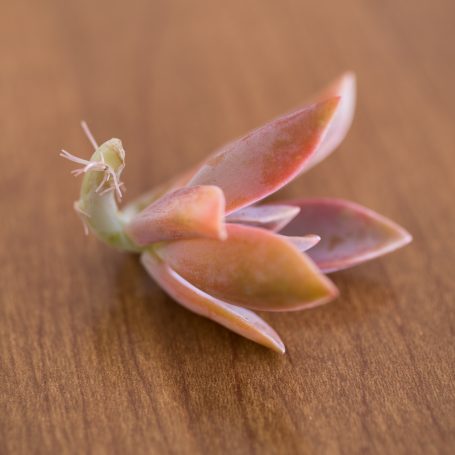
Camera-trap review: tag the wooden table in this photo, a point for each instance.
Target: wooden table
(95, 358)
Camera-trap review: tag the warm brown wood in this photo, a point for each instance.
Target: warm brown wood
(95, 358)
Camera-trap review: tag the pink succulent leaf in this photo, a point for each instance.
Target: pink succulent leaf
(305, 242)
(143, 201)
(260, 163)
(239, 320)
(350, 233)
(345, 88)
(184, 213)
(253, 267)
(270, 216)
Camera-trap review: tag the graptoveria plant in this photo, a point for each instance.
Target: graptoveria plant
(209, 246)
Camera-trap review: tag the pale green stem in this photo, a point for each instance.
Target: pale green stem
(97, 205)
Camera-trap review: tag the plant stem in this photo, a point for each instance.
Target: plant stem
(97, 205)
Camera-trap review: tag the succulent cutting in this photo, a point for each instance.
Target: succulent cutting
(206, 240)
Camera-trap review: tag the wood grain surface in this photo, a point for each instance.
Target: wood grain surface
(95, 358)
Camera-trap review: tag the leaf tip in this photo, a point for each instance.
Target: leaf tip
(279, 347)
(402, 238)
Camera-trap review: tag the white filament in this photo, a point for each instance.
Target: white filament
(89, 134)
(99, 166)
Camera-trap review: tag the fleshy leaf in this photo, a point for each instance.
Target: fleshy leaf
(252, 267)
(260, 163)
(303, 243)
(350, 233)
(183, 213)
(239, 320)
(143, 201)
(345, 88)
(271, 217)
